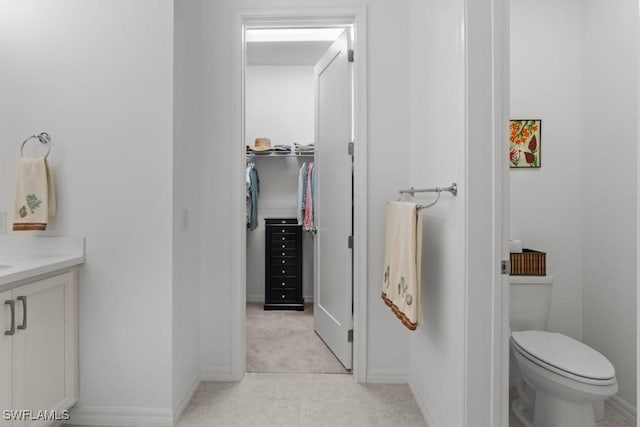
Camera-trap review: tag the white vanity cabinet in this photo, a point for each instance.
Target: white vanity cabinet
(38, 351)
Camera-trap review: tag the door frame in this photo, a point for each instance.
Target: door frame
(322, 17)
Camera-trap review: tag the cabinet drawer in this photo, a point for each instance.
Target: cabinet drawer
(283, 295)
(276, 221)
(278, 283)
(284, 244)
(281, 261)
(283, 252)
(283, 237)
(285, 270)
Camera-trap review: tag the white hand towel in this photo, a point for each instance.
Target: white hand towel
(402, 261)
(35, 199)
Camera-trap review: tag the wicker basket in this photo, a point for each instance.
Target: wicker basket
(528, 263)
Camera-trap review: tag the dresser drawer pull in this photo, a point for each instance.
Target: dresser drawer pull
(283, 296)
(284, 231)
(284, 284)
(283, 238)
(283, 261)
(284, 246)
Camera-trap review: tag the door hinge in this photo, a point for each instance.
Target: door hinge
(506, 267)
(350, 55)
(350, 148)
(350, 242)
(350, 335)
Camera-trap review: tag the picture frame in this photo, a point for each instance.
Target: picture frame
(525, 143)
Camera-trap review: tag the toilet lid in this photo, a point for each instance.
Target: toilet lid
(565, 353)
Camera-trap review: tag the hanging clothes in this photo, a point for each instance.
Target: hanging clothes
(253, 188)
(308, 210)
(302, 181)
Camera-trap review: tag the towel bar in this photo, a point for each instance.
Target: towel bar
(453, 189)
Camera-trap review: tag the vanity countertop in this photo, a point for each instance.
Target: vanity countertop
(25, 257)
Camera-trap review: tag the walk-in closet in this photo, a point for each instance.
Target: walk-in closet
(293, 79)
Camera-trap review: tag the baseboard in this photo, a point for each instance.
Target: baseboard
(420, 400)
(388, 377)
(122, 416)
(624, 408)
(186, 398)
(213, 373)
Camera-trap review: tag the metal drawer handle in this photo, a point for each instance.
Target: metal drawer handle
(283, 261)
(282, 253)
(11, 330)
(283, 284)
(24, 312)
(282, 271)
(283, 238)
(283, 246)
(283, 230)
(282, 296)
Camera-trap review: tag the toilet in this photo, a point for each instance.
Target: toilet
(561, 382)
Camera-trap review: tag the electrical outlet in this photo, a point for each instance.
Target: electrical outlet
(3, 222)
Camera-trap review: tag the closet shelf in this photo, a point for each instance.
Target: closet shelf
(255, 156)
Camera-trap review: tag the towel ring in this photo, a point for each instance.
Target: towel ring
(43, 137)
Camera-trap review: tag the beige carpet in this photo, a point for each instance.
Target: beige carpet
(281, 341)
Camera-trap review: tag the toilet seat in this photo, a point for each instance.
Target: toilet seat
(564, 356)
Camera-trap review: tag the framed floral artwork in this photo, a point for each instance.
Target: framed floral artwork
(524, 149)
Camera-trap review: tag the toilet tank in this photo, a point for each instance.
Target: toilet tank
(530, 299)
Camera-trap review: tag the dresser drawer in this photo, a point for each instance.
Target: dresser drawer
(284, 295)
(281, 261)
(284, 270)
(284, 244)
(283, 252)
(278, 283)
(283, 237)
(276, 221)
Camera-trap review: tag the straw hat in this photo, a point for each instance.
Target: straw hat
(262, 144)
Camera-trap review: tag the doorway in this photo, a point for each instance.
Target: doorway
(279, 175)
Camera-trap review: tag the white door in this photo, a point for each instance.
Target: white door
(332, 299)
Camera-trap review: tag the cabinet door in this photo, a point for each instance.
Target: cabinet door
(6, 346)
(44, 351)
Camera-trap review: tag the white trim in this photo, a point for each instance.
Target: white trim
(424, 408)
(186, 398)
(623, 408)
(121, 416)
(486, 324)
(299, 18)
(387, 377)
(218, 373)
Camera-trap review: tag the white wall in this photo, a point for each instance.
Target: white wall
(547, 83)
(98, 77)
(187, 145)
(610, 186)
(387, 164)
(436, 352)
(280, 106)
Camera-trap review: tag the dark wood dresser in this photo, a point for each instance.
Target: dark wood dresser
(283, 264)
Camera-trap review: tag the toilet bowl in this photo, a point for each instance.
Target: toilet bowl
(563, 379)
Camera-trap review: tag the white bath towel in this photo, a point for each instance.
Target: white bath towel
(402, 259)
(35, 200)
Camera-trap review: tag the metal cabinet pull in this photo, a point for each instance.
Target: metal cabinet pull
(24, 312)
(12, 304)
